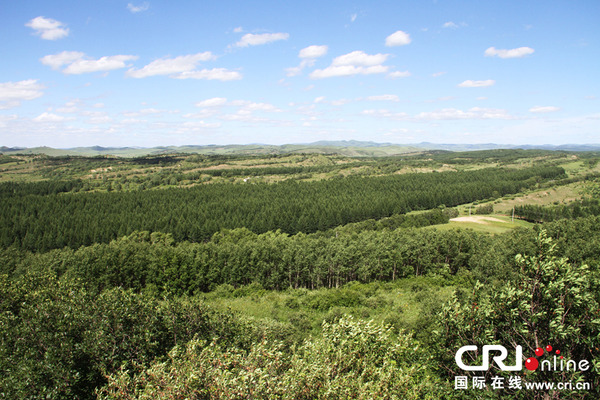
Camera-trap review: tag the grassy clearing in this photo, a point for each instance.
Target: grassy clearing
(543, 197)
(492, 224)
(404, 304)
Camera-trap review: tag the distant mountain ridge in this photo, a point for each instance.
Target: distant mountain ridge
(343, 147)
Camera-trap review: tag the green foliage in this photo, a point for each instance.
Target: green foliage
(485, 209)
(58, 341)
(154, 264)
(42, 218)
(353, 359)
(553, 302)
(573, 210)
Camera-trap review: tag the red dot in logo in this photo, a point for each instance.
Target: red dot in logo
(548, 348)
(539, 352)
(557, 351)
(531, 363)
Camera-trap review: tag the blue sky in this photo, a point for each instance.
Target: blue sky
(149, 73)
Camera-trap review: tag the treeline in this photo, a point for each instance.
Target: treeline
(42, 188)
(275, 260)
(283, 170)
(41, 222)
(502, 156)
(155, 264)
(575, 209)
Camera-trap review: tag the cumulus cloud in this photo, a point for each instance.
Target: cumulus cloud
(48, 28)
(477, 84)
(314, 51)
(509, 53)
(49, 117)
(251, 39)
(399, 74)
(354, 63)
(136, 9)
(108, 63)
(398, 38)
(384, 113)
(77, 63)
(450, 24)
(55, 61)
(216, 74)
(12, 93)
(360, 58)
(171, 66)
(347, 70)
(384, 97)
(544, 109)
(184, 67)
(214, 102)
(472, 113)
(246, 111)
(443, 114)
(308, 55)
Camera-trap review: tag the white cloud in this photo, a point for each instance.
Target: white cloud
(443, 114)
(308, 56)
(78, 64)
(214, 102)
(360, 58)
(107, 63)
(48, 28)
(239, 29)
(384, 113)
(398, 38)
(136, 9)
(171, 66)
(341, 102)
(353, 17)
(261, 107)
(544, 109)
(399, 74)
(509, 53)
(347, 70)
(12, 93)
(70, 107)
(218, 74)
(55, 61)
(201, 125)
(472, 113)
(384, 97)
(450, 24)
(251, 39)
(49, 117)
(474, 84)
(313, 51)
(443, 98)
(438, 74)
(354, 63)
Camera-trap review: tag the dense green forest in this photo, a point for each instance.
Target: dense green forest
(48, 218)
(336, 277)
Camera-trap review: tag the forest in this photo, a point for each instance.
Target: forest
(298, 276)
